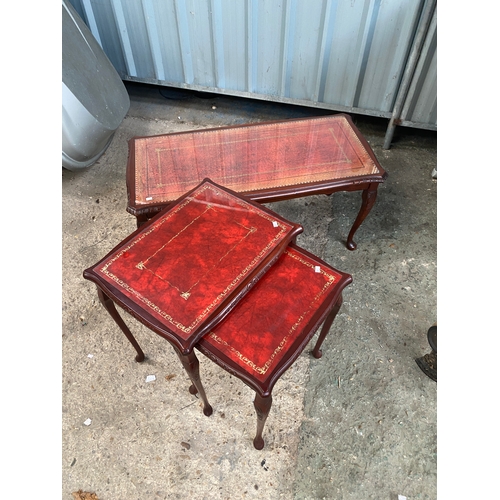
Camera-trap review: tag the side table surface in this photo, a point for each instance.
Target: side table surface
(270, 327)
(187, 267)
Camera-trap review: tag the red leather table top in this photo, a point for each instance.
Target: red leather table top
(270, 327)
(248, 158)
(184, 268)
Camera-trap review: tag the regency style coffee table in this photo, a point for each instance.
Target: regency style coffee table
(268, 162)
(184, 270)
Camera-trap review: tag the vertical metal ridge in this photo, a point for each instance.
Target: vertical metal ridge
(370, 22)
(425, 74)
(249, 46)
(395, 69)
(423, 25)
(184, 43)
(216, 24)
(287, 34)
(124, 38)
(154, 38)
(325, 49)
(252, 12)
(92, 24)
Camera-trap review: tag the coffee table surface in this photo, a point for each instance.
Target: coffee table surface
(187, 267)
(265, 161)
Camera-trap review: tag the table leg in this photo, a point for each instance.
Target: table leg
(110, 307)
(368, 197)
(141, 219)
(317, 353)
(262, 407)
(192, 366)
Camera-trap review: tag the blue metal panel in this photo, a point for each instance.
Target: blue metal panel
(393, 25)
(123, 33)
(251, 46)
(420, 108)
(194, 19)
(267, 28)
(346, 55)
(305, 30)
(230, 43)
(348, 33)
(185, 51)
(162, 42)
(154, 39)
(100, 19)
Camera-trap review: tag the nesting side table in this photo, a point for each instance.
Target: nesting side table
(271, 326)
(183, 271)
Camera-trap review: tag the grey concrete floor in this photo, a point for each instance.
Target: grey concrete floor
(359, 423)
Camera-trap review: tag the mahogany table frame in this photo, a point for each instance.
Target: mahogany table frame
(368, 184)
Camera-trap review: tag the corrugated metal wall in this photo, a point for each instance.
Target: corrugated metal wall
(345, 55)
(420, 106)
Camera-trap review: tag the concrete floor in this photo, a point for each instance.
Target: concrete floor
(359, 423)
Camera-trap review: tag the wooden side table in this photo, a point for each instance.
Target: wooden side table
(267, 162)
(184, 270)
(268, 329)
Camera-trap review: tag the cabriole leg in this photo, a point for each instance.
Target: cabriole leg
(317, 353)
(110, 307)
(262, 407)
(192, 366)
(141, 219)
(368, 199)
